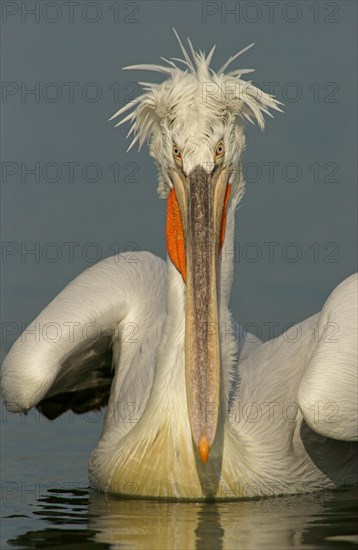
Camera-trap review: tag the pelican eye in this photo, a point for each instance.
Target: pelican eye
(219, 151)
(176, 153)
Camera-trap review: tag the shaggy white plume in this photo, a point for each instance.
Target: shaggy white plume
(221, 91)
(195, 106)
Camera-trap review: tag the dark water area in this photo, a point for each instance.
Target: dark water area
(46, 503)
(81, 518)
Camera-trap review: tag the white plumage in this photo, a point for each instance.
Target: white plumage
(287, 409)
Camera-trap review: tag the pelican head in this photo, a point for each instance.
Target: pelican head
(194, 121)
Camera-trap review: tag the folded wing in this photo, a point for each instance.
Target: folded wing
(327, 393)
(68, 356)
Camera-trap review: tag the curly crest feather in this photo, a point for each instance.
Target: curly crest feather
(193, 101)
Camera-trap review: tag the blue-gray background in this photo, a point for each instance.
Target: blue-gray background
(305, 50)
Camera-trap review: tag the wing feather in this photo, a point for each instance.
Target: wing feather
(64, 358)
(327, 393)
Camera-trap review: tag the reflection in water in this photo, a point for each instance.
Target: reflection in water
(209, 532)
(81, 519)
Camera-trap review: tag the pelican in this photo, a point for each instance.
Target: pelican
(196, 407)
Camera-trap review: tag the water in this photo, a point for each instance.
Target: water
(46, 503)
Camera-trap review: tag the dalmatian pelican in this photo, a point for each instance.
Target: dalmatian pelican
(196, 407)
